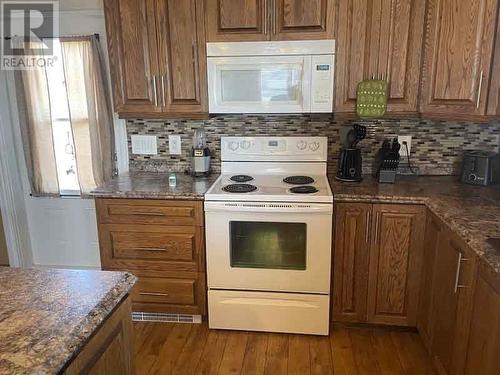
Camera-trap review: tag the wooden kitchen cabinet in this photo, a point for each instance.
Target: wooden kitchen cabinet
(377, 263)
(433, 231)
(454, 278)
(379, 39)
(157, 57)
(457, 64)
(162, 243)
(260, 20)
(395, 264)
(352, 249)
(483, 352)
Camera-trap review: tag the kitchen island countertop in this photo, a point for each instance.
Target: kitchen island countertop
(47, 316)
(472, 212)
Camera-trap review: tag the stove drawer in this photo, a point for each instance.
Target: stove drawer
(151, 247)
(143, 211)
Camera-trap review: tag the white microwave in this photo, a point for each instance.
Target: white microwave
(271, 77)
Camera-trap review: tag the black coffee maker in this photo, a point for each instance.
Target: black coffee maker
(350, 162)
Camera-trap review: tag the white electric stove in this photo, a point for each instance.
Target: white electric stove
(268, 236)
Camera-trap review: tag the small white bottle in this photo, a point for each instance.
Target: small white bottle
(172, 180)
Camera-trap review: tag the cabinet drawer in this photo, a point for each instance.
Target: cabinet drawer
(151, 247)
(164, 291)
(142, 211)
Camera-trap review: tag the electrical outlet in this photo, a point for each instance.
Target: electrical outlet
(174, 144)
(144, 144)
(402, 139)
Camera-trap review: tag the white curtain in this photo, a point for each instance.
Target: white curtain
(90, 118)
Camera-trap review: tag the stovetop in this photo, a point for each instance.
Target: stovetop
(271, 187)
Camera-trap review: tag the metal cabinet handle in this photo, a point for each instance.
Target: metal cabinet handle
(153, 294)
(151, 213)
(150, 249)
(155, 91)
(265, 16)
(275, 18)
(368, 225)
(163, 90)
(457, 275)
(480, 89)
(377, 223)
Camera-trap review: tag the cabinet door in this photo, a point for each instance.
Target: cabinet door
(303, 19)
(182, 80)
(133, 55)
(458, 56)
(399, 50)
(455, 269)
(395, 264)
(352, 247)
(237, 20)
(353, 52)
(494, 96)
(484, 341)
(433, 231)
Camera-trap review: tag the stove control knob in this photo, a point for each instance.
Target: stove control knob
(302, 145)
(245, 145)
(233, 146)
(314, 146)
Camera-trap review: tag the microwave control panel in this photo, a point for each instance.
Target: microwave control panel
(323, 67)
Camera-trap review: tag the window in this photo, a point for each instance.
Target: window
(68, 122)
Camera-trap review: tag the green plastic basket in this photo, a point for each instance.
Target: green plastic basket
(371, 98)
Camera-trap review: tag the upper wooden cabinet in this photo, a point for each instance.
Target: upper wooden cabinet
(157, 57)
(258, 20)
(377, 263)
(379, 39)
(458, 57)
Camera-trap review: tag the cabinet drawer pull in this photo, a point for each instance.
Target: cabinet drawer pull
(368, 224)
(153, 294)
(151, 213)
(150, 249)
(480, 89)
(457, 275)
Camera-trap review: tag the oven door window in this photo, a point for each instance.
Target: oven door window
(268, 245)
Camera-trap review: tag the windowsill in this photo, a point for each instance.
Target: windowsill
(62, 196)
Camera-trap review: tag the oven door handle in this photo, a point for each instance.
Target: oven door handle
(275, 208)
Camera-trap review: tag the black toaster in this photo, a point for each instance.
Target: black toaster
(481, 168)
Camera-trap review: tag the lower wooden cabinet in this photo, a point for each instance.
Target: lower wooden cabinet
(453, 284)
(111, 349)
(162, 243)
(433, 232)
(377, 263)
(483, 352)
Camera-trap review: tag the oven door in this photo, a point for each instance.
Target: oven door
(269, 246)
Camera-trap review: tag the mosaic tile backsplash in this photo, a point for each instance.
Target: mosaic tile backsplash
(437, 146)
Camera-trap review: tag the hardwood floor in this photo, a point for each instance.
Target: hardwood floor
(194, 349)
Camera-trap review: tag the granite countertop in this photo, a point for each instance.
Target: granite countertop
(47, 316)
(473, 212)
(154, 185)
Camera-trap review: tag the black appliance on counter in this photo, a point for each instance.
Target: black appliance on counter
(350, 162)
(387, 161)
(480, 168)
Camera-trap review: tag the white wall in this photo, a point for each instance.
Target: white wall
(63, 231)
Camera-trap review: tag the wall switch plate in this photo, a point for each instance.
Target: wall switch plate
(144, 144)
(174, 144)
(402, 152)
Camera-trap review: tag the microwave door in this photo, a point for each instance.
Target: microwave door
(272, 84)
